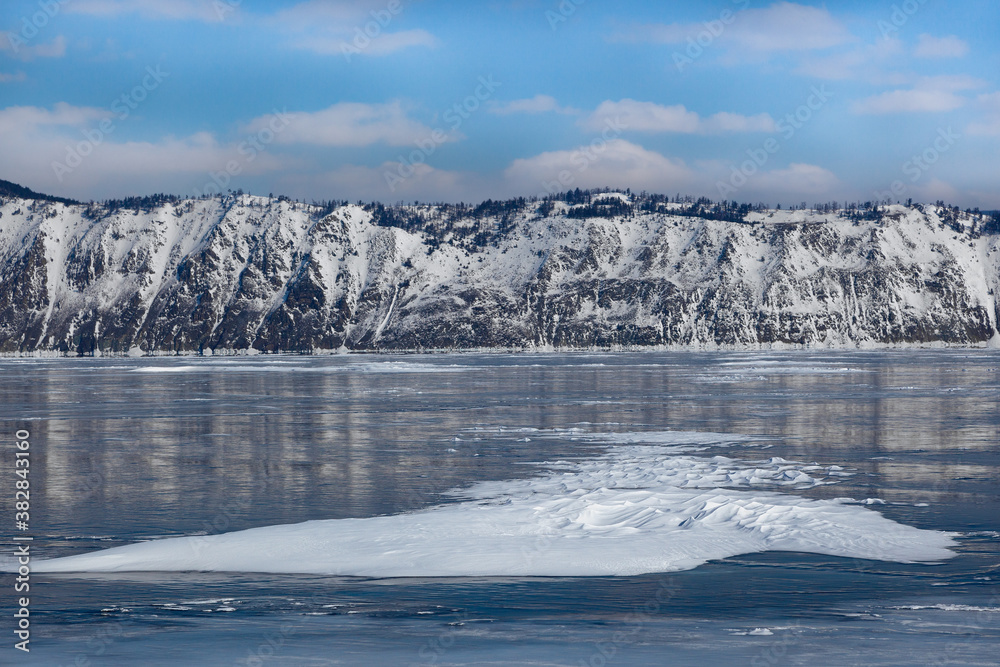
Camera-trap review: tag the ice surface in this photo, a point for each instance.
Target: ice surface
(285, 367)
(949, 607)
(635, 509)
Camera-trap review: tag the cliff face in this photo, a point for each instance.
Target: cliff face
(246, 272)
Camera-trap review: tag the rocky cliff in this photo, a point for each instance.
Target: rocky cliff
(258, 273)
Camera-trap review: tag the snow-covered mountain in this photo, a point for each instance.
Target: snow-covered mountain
(257, 273)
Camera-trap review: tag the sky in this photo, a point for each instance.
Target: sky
(426, 100)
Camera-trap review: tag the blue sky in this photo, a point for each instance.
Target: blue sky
(429, 100)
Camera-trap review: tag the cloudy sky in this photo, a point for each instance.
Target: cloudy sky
(436, 100)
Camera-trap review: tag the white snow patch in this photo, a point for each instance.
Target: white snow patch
(634, 510)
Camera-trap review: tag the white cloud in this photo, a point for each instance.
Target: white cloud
(11, 78)
(536, 104)
(734, 122)
(328, 13)
(26, 50)
(197, 10)
(623, 164)
(198, 154)
(644, 117)
(424, 183)
(326, 27)
(862, 62)
(931, 94)
(797, 181)
(34, 139)
(941, 47)
(351, 124)
(950, 82)
(934, 190)
(382, 45)
(356, 28)
(784, 26)
(787, 26)
(837, 67)
(877, 63)
(990, 123)
(909, 101)
(616, 163)
(637, 116)
(23, 120)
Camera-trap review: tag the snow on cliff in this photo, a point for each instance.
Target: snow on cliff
(257, 273)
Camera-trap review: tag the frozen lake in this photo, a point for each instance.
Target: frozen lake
(792, 508)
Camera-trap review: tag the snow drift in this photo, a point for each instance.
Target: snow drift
(636, 509)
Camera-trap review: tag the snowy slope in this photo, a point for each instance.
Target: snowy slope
(255, 273)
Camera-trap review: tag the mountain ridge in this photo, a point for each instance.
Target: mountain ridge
(9, 189)
(607, 269)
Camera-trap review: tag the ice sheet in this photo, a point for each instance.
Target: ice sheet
(284, 367)
(635, 509)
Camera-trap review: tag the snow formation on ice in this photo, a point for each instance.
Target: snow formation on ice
(635, 509)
